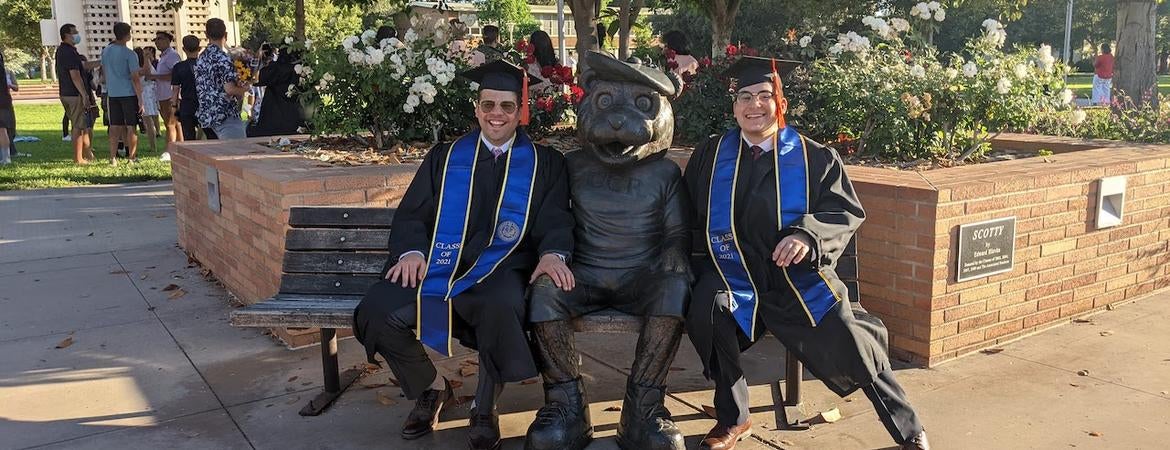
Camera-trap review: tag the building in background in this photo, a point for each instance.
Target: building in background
(95, 19)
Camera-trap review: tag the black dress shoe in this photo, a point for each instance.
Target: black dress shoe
(918, 442)
(645, 423)
(422, 419)
(563, 422)
(484, 431)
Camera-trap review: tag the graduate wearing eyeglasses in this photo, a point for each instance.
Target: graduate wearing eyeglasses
(776, 211)
(484, 216)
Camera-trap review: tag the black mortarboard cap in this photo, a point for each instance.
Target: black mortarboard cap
(749, 70)
(500, 75)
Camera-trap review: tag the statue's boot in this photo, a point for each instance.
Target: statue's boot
(563, 422)
(645, 422)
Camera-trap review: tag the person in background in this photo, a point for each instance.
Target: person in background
(489, 49)
(546, 56)
(75, 92)
(385, 32)
(161, 77)
(283, 114)
(219, 87)
(184, 99)
(1103, 76)
(684, 65)
(458, 45)
(7, 113)
(122, 69)
(150, 110)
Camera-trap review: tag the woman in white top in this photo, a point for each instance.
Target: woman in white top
(149, 98)
(685, 64)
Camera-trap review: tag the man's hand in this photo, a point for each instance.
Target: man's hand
(410, 269)
(551, 265)
(792, 249)
(141, 106)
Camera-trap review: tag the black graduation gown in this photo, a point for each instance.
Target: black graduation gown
(550, 229)
(834, 215)
(279, 113)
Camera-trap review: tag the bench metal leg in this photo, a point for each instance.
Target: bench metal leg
(335, 382)
(788, 408)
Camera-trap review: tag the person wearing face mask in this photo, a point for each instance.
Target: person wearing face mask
(776, 211)
(484, 216)
(75, 92)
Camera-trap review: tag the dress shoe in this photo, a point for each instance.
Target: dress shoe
(918, 442)
(724, 437)
(484, 431)
(422, 419)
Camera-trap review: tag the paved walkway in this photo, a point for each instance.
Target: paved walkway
(87, 269)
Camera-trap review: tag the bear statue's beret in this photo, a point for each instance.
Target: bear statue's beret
(606, 67)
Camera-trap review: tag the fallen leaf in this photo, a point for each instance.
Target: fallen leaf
(294, 399)
(178, 293)
(1082, 321)
(613, 409)
(831, 415)
(991, 351)
(1094, 434)
(385, 399)
(143, 277)
(1083, 373)
(170, 287)
(294, 378)
(307, 383)
(1106, 333)
(66, 342)
(1074, 385)
(456, 384)
(710, 411)
(528, 381)
(1110, 307)
(90, 235)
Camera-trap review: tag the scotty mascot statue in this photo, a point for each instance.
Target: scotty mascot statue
(632, 254)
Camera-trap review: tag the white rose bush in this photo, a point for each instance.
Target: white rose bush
(395, 90)
(886, 93)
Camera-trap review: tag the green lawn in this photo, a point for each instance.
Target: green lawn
(51, 164)
(32, 82)
(1082, 84)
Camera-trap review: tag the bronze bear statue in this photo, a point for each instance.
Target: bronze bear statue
(631, 254)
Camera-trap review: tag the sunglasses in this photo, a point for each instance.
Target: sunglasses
(488, 106)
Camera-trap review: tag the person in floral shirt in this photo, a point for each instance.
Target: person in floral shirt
(219, 87)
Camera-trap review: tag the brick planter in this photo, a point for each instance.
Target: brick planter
(1064, 267)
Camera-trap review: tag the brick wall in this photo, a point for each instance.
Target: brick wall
(1064, 267)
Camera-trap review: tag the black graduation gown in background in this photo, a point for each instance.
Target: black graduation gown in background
(848, 353)
(550, 229)
(279, 113)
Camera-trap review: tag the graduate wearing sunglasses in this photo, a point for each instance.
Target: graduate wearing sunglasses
(484, 216)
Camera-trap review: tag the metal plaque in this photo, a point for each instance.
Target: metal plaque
(986, 248)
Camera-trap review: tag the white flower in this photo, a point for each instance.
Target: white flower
(1066, 96)
(328, 77)
(917, 71)
(302, 130)
(1021, 71)
(357, 57)
(368, 36)
(1003, 86)
(940, 15)
(836, 49)
(1079, 116)
(298, 69)
(288, 40)
(991, 24)
(308, 43)
(934, 6)
(397, 60)
(804, 41)
(410, 35)
(412, 100)
(900, 25)
(349, 41)
(291, 90)
(394, 42)
(970, 69)
(951, 72)
(474, 86)
(1045, 59)
(407, 108)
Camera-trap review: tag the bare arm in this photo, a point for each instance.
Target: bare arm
(75, 77)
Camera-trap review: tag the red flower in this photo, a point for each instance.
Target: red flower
(522, 46)
(732, 50)
(705, 62)
(529, 59)
(577, 92)
(566, 73)
(544, 104)
(548, 71)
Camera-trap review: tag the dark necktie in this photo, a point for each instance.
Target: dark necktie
(756, 152)
(496, 152)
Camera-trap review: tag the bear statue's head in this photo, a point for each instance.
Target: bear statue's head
(625, 116)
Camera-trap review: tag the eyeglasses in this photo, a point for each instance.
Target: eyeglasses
(488, 106)
(746, 97)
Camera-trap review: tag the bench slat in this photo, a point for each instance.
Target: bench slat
(282, 314)
(334, 262)
(340, 284)
(336, 239)
(333, 216)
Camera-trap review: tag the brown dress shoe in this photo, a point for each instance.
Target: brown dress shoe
(918, 442)
(422, 419)
(724, 437)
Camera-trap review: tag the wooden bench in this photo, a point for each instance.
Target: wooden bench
(334, 254)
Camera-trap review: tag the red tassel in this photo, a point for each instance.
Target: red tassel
(524, 100)
(778, 89)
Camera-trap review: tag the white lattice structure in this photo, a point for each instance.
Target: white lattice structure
(95, 19)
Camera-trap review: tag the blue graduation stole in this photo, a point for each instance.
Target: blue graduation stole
(810, 286)
(439, 285)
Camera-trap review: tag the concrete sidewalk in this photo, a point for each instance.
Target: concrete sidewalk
(146, 367)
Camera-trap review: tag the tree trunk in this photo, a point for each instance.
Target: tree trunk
(1135, 72)
(630, 9)
(300, 18)
(44, 64)
(585, 23)
(722, 15)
